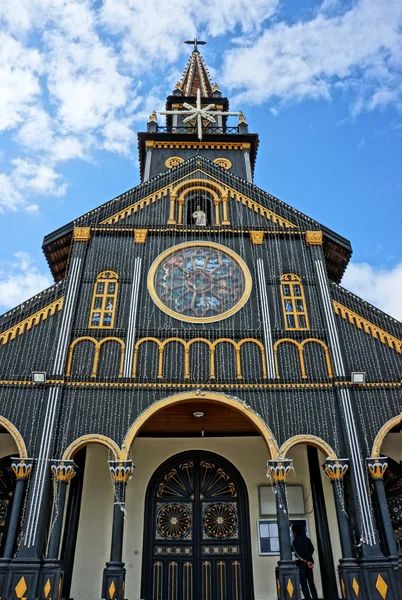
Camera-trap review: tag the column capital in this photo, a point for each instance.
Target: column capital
(335, 469)
(121, 470)
(63, 470)
(22, 467)
(278, 470)
(377, 467)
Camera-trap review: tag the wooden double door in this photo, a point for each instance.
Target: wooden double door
(197, 535)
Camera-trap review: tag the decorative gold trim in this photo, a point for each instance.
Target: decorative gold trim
(355, 586)
(300, 348)
(200, 145)
(225, 163)
(178, 316)
(222, 190)
(140, 236)
(278, 470)
(257, 237)
(314, 238)
(212, 396)
(173, 161)
(32, 321)
(91, 438)
(98, 345)
(376, 332)
(22, 467)
(382, 587)
(377, 467)
(103, 278)
(63, 470)
(212, 346)
(292, 280)
(375, 453)
(21, 589)
(15, 434)
(335, 469)
(121, 471)
(310, 440)
(82, 234)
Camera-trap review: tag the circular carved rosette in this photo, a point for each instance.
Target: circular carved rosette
(173, 522)
(220, 521)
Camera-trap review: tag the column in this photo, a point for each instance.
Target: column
(376, 468)
(114, 574)
(63, 472)
(22, 468)
(348, 569)
(287, 574)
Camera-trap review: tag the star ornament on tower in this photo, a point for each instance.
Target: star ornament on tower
(197, 113)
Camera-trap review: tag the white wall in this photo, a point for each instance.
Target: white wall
(248, 454)
(7, 445)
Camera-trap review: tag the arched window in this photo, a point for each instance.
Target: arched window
(293, 302)
(104, 299)
(195, 203)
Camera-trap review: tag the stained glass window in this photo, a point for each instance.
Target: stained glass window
(104, 300)
(200, 281)
(293, 302)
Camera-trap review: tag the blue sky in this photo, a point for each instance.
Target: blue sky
(321, 82)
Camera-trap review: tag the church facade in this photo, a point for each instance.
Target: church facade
(195, 381)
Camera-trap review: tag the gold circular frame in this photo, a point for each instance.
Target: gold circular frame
(225, 163)
(233, 255)
(173, 161)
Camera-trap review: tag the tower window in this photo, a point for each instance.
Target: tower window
(104, 299)
(293, 302)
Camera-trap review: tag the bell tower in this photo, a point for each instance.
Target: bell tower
(197, 120)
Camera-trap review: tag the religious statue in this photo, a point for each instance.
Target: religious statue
(200, 217)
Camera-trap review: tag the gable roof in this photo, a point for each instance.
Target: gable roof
(56, 246)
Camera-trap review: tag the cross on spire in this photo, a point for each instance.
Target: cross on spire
(195, 43)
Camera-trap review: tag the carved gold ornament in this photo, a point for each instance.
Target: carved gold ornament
(173, 522)
(225, 163)
(82, 234)
(140, 236)
(257, 237)
(173, 161)
(314, 238)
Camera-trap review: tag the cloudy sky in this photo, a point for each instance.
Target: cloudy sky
(320, 81)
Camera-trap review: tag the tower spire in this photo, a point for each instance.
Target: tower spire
(196, 75)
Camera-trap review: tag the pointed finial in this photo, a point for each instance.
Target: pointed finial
(153, 118)
(216, 88)
(196, 43)
(242, 118)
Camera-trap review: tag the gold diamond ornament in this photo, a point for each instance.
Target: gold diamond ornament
(112, 590)
(21, 588)
(47, 588)
(382, 587)
(355, 586)
(290, 588)
(343, 589)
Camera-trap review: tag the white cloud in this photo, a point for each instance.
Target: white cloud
(274, 112)
(380, 287)
(308, 58)
(20, 279)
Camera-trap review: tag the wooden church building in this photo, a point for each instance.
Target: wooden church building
(195, 382)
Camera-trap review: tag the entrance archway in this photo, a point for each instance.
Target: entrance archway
(197, 531)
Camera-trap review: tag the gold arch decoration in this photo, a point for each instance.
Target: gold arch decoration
(211, 396)
(300, 349)
(212, 347)
(309, 440)
(15, 434)
(228, 191)
(98, 345)
(225, 250)
(31, 321)
(212, 188)
(225, 163)
(91, 438)
(385, 429)
(216, 200)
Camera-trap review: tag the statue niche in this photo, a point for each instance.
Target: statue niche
(199, 213)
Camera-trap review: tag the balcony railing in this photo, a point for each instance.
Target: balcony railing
(208, 130)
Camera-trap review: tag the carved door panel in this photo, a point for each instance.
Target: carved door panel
(198, 546)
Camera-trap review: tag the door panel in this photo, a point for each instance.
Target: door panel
(196, 541)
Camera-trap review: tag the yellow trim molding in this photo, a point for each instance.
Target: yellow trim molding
(235, 257)
(98, 345)
(211, 396)
(211, 345)
(375, 453)
(376, 332)
(314, 238)
(15, 434)
(32, 321)
(82, 234)
(300, 348)
(91, 438)
(199, 145)
(309, 440)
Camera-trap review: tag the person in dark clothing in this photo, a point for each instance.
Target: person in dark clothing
(304, 549)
